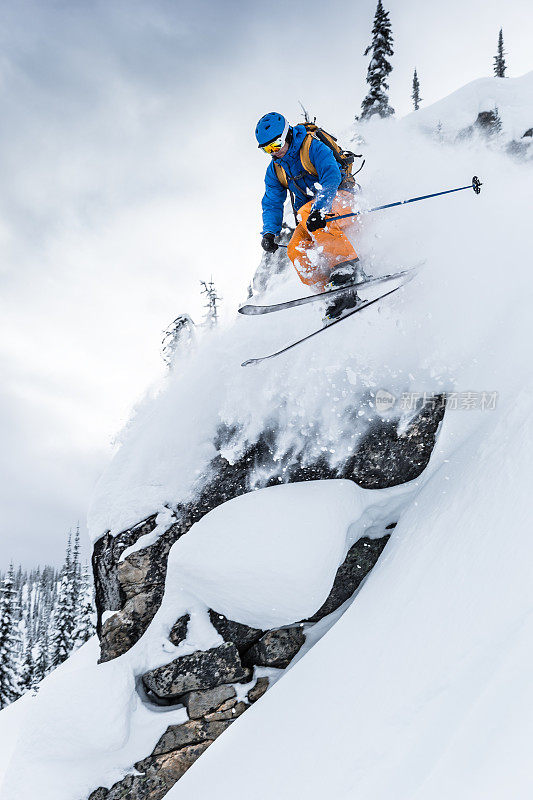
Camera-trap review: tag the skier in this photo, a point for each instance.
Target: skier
(321, 253)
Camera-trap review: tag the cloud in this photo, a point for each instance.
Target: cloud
(45, 475)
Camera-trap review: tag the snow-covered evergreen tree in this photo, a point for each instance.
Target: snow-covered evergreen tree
(377, 101)
(44, 616)
(63, 621)
(85, 623)
(416, 92)
(42, 660)
(211, 315)
(9, 642)
(75, 565)
(499, 59)
(28, 672)
(177, 338)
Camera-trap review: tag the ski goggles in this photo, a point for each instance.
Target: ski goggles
(276, 144)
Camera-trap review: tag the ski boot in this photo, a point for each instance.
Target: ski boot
(346, 274)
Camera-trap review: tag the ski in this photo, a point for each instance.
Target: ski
(251, 310)
(360, 307)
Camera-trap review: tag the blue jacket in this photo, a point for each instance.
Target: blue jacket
(300, 181)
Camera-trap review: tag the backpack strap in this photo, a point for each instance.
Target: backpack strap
(281, 175)
(344, 158)
(307, 164)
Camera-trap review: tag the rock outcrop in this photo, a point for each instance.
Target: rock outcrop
(133, 588)
(276, 648)
(204, 669)
(217, 685)
(206, 682)
(176, 751)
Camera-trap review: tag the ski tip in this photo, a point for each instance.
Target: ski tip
(250, 311)
(251, 361)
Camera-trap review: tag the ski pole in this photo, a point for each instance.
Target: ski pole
(475, 185)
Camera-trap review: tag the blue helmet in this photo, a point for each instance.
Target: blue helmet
(270, 127)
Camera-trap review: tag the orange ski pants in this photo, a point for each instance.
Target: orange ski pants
(315, 255)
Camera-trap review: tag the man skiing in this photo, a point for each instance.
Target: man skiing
(320, 251)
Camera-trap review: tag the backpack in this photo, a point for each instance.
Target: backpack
(344, 158)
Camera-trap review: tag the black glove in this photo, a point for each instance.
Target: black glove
(268, 244)
(315, 221)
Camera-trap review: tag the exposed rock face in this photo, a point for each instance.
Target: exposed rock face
(193, 732)
(241, 635)
(229, 710)
(276, 648)
(198, 704)
(204, 669)
(179, 630)
(359, 561)
(134, 587)
(110, 595)
(257, 691)
(202, 682)
(177, 749)
(159, 774)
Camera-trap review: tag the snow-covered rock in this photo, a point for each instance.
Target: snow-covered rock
(131, 581)
(269, 558)
(281, 544)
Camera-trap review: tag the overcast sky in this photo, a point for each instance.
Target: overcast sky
(129, 172)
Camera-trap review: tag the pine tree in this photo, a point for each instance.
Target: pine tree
(377, 101)
(44, 606)
(42, 661)
(28, 672)
(499, 59)
(211, 316)
(75, 565)
(44, 616)
(416, 92)
(9, 642)
(85, 626)
(63, 619)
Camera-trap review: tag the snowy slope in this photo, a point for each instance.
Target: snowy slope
(428, 691)
(267, 559)
(425, 678)
(86, 724)
(422, 339)
(460, 109)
